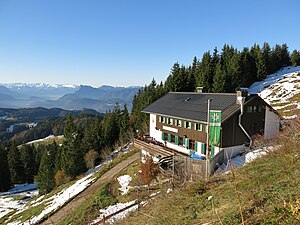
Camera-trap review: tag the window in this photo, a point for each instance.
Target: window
(170, 121)
(180, 142)
(198, 126)
(162, 119)
(254, 108)
(249, 109)
(178, 123)
(165, 137)
(187, 124)
(172, 138)
(259, 108)
(191, 144)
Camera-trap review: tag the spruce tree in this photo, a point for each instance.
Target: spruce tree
(72, 154)
(5, 182)
(124, 126)
(45, 178)
(248, 68)
(205, 75)
(15, 164)
(285, 55)
(276, 58)
(295, 58)
(28, 159)
(266, 51)
(261, 66)
(219, 79)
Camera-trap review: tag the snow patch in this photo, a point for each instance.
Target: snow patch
(114, 208)
(245, 158)
(8, 203)
(251, 156)
(46, 138)
(124, 182)
(58, 200)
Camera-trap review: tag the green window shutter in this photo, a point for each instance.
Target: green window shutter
(176, 140)
(183, 141)
(162, 136)
(202, 148)
(187, 143)
(196, 146)
(169, 137)
(212, 150)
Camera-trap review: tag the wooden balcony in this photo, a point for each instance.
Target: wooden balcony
(183, 164)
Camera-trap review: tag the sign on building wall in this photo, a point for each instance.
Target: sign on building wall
(214, 128)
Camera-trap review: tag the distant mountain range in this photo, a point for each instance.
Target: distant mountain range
(70, 97)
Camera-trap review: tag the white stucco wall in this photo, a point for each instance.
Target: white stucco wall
(217, 149)
(271, 124)
(153, 132)
(178, 148)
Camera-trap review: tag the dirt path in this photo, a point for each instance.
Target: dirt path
(68, 208)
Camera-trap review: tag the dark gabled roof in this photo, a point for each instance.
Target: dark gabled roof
(193, 106)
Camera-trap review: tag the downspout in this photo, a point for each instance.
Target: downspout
(241, 100)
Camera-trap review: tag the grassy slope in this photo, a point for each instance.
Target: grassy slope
(89, 210)
(289, 110)
(267, 188)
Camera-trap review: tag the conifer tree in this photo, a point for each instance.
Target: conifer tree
(15, 164)
(295, 58)
(194, 67)
(5, 181)
(45, 178)
(124, 125)
(276, 58)
(261, 66)
(285, 55)
(173, 79)
(28, 159)
(266, 51)
(219, 79)
(72, 154)
(205, 75)
(248, 68)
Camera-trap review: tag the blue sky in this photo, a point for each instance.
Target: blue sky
(129, 42)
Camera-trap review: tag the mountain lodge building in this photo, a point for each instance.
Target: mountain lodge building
(179, 119)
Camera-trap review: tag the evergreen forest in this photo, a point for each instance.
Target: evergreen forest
(87, 140)
(217, 71)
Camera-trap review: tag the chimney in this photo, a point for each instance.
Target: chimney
(241, 94)
(200, 89)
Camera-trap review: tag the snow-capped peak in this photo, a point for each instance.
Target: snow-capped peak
(38, 85)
